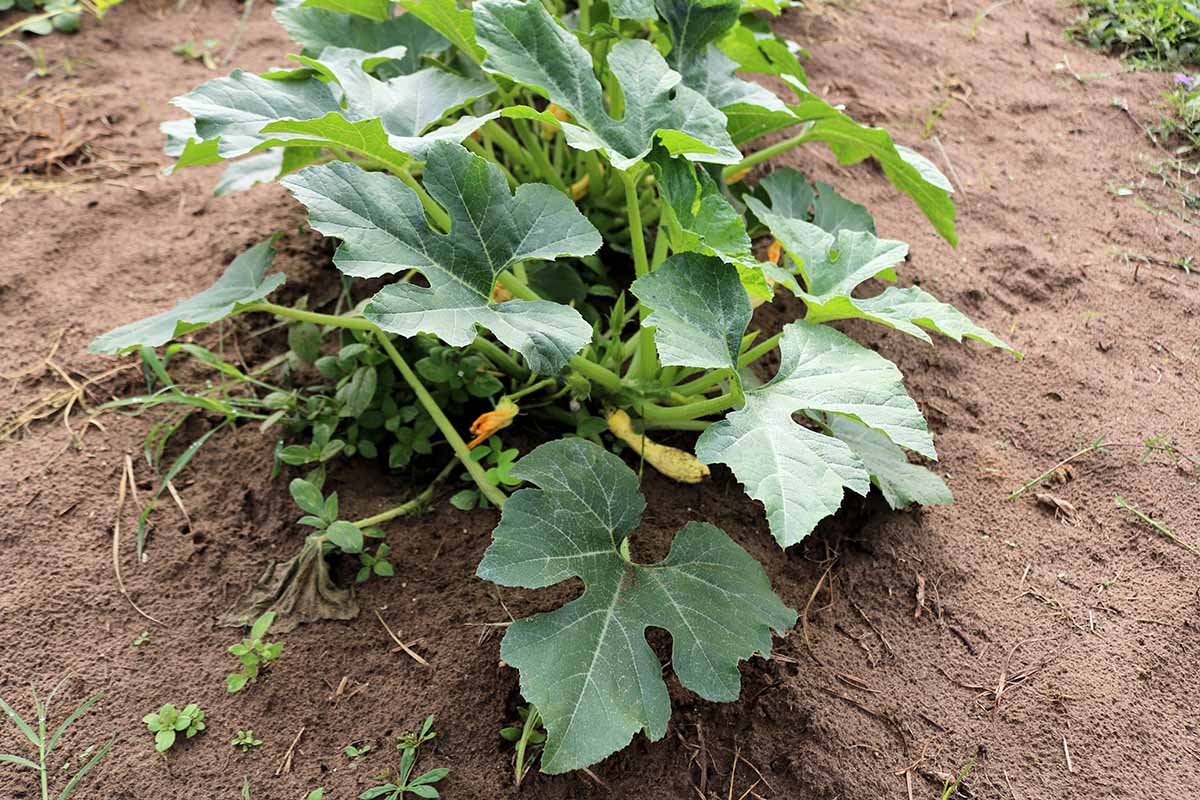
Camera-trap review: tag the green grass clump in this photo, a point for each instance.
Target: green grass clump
(1149, 33)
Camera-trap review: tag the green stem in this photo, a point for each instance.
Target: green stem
(759, 156)
(542, 384)
(585, 16)
(759, 350)
(411, 506)
(489, 489)
(543, 167)
(494, 353)
(657, 414)
(588, 369)
(647, 358)
(703, 383)
(353, 323)
(661, 241)
(435, 212)
(511, 147)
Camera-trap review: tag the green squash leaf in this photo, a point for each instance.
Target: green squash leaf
(851, 142)
(383, 228)
(902, 483)
(700, 311)
(799, 474)
(241, 284)
(450, 20)
(703, 220)
(833, 265)
(387, 120)
(695, 26)
(787, 194)
(524, 42)
(315, 29)
(377, 10)
(587, 666)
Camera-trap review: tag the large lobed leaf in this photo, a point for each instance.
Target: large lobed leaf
(587, 666)
(336, 101)
(524, 42)
(838, 252)
(799, 474)
(243, 282)
(383, 230)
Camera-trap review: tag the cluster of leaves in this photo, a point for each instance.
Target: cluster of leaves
(254, 653)
(1183, 119)
(511, 162)
(403, 783)
(47, 16)
(1149, 33)
(38, 733)
(245, 740)
(364, 407)
(168, 722)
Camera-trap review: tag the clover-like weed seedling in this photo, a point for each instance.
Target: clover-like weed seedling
(170, 721)
(245, 740)
(497, 462)
(254, 653)
(377, 564)
(409, 745)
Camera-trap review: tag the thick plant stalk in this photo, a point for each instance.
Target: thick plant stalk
(411, 506)
(646, 359)
(489, 489)
(759, 156)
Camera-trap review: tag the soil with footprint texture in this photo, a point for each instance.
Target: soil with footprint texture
(1056, 651)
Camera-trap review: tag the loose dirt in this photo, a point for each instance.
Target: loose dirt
(1056, 656)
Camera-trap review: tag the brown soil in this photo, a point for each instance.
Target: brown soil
(1036, 636)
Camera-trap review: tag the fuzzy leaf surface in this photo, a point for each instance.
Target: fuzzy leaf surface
(700, 310)
(383, 230)
(833, 265)
(243, 282)
(315, 29)
(587, 666)
(524, 42)
(384, 119)
(902, 483)
(796, 473)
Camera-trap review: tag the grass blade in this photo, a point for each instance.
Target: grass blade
(66, 723)
(20, 723)
(5, 758)
(182, 461)
(1155, 524)
(70, 787)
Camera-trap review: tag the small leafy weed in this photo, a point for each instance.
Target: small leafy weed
(245, 740)
(168, 722)
(254, 653)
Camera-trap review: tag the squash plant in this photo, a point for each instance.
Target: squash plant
(560, 192)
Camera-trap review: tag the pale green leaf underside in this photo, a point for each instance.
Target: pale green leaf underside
(798, 474)
(851, 143)
(524, 42)
(587, 666)
(700, 310)
(241, 284)
(832, 266)
(383, 230)
(902, 483)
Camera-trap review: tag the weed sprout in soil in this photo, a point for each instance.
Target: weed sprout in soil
(553, 208)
